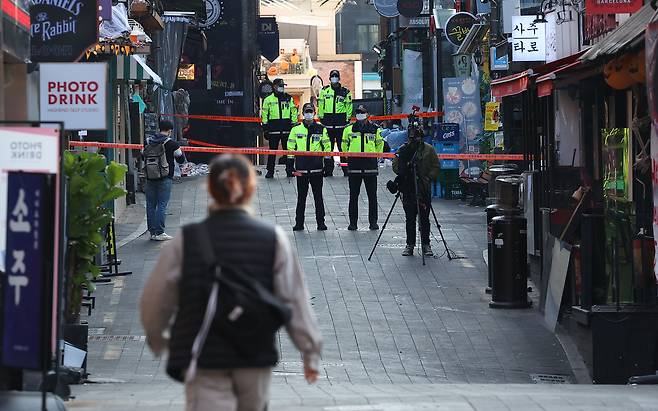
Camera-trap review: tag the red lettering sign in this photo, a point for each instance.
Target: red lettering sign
(593, 7)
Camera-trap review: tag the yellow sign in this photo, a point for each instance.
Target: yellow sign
(491, 116)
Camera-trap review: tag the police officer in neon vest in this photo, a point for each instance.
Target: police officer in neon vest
(363, 136)
(278, 115)
(335, 111)
(308, 136)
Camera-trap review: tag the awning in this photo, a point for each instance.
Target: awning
(626, 36)
(511, 85)
(134, 68)
(548, 72)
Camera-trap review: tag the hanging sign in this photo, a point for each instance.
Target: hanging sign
(387, 8)
(410, 8)
(268, 37)
(458, 26)
(462, 65)
(74, 93)
(528, 39)
(499, 63)
(61, 31)
(491, 116)
(26, 283)
(612, 6)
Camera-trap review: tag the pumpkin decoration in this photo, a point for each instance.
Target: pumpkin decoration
(637, 68)
(616, 72)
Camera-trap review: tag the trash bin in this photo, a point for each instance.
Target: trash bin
(509, 285)
(493, 210)
(495, 171)
(508, 189)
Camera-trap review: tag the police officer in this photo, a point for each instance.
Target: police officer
(278, 115)
(308, 136)
(363, 136)
(419, 158)
(335, 112)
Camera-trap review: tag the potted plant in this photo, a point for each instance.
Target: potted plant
(92, 183)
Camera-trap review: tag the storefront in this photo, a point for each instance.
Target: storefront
(583, 124)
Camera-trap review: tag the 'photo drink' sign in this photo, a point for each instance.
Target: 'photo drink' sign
(74, 93)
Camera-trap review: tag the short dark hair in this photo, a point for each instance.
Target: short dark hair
(166, 125)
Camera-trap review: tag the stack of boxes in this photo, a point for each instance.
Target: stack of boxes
(446, 141)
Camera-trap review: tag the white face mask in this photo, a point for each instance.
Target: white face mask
(279, 89)
(361, 116)
(334, 80)
(308, 116)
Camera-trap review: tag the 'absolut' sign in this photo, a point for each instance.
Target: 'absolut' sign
(62, 30)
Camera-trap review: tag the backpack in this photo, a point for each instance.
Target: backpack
(156, 166)
(245, 310)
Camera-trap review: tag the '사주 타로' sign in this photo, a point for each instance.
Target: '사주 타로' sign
(62, 30)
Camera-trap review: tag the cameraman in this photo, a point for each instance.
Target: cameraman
(415, 153)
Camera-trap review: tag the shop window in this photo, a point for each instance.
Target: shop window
(367, 35)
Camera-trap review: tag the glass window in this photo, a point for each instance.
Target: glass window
(367, 35)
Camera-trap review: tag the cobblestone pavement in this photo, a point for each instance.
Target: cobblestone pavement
(395, 332)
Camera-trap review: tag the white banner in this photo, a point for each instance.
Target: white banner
(528, 39)
(74, 93)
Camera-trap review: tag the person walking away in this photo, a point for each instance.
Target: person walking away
(416, 153)
(335, 112)
(363, 136)
(219, 374)
(278, 116)
(308, 136)
(159, 155)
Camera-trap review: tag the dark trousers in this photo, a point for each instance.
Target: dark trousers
(336, 137)
(315, 180)
(370, 182)
(410, 214)
(274, 144)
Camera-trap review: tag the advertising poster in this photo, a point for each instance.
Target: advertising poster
(461, 100)
(491, 116)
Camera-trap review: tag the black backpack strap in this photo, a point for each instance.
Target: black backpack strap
(204, 242)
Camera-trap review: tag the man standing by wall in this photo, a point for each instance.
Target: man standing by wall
(362, 137)
(335, 112)
(278, 115)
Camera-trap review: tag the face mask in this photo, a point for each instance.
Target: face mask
(308, 116)
(279, 89)
(334, 80)
(361, 116)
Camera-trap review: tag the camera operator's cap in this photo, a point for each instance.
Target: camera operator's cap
(278, 82)
(334, 73)
(362, 109)
(308, 107)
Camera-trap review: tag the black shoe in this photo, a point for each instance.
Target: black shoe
(352, 227)
(322, 227)
(408, 251)
(427, 250)
(374, 226)
(298, 227)
(270, 174)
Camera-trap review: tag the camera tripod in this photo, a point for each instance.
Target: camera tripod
(451, 254)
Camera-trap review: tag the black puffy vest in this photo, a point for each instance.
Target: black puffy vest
(239, 240)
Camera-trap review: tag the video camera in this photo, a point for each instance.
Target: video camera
(414, 130)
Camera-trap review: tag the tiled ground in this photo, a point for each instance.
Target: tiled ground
(386, 321)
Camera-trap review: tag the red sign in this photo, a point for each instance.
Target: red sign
(597, 25)
(612, 6)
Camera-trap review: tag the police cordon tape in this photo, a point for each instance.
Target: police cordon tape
(240, 119)
(256, 150)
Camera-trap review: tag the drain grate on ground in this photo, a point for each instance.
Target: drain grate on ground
(550, 379)
(113, 338)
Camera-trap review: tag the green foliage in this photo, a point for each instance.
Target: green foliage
(91, 184)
